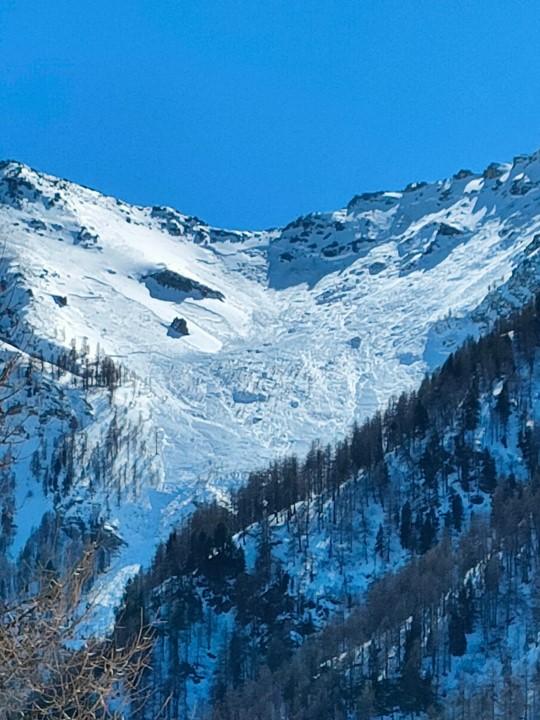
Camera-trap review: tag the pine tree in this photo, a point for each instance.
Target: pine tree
(456, 505)
(428, 531)
(471, 406)
(406, 528)
(379, 542)
(457, 640)
(503, 405)
(488, 473)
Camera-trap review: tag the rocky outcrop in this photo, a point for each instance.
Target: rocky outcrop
(171, 286)
(178, 328)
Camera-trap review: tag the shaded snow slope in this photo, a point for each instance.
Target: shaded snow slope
(293, 333)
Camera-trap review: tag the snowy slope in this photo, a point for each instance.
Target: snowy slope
(293, 333)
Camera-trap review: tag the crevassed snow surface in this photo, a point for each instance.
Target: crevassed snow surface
(303, 329)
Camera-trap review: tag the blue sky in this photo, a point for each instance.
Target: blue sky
(248, 113)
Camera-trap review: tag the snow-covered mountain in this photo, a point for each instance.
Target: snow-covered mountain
(239, 346)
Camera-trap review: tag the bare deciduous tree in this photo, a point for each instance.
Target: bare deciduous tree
(47, 671)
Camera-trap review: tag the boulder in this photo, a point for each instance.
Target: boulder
(178, 328)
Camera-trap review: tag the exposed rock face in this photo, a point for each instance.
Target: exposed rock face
(86, 239)
(462, 174)
(493, 171)
(19, 187)
(169, 285)
(448, 230)
(178, 328)
(177, 224)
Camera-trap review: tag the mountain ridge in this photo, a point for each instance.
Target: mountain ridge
(493, 170)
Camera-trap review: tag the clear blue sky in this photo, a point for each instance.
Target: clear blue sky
(248, 113)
